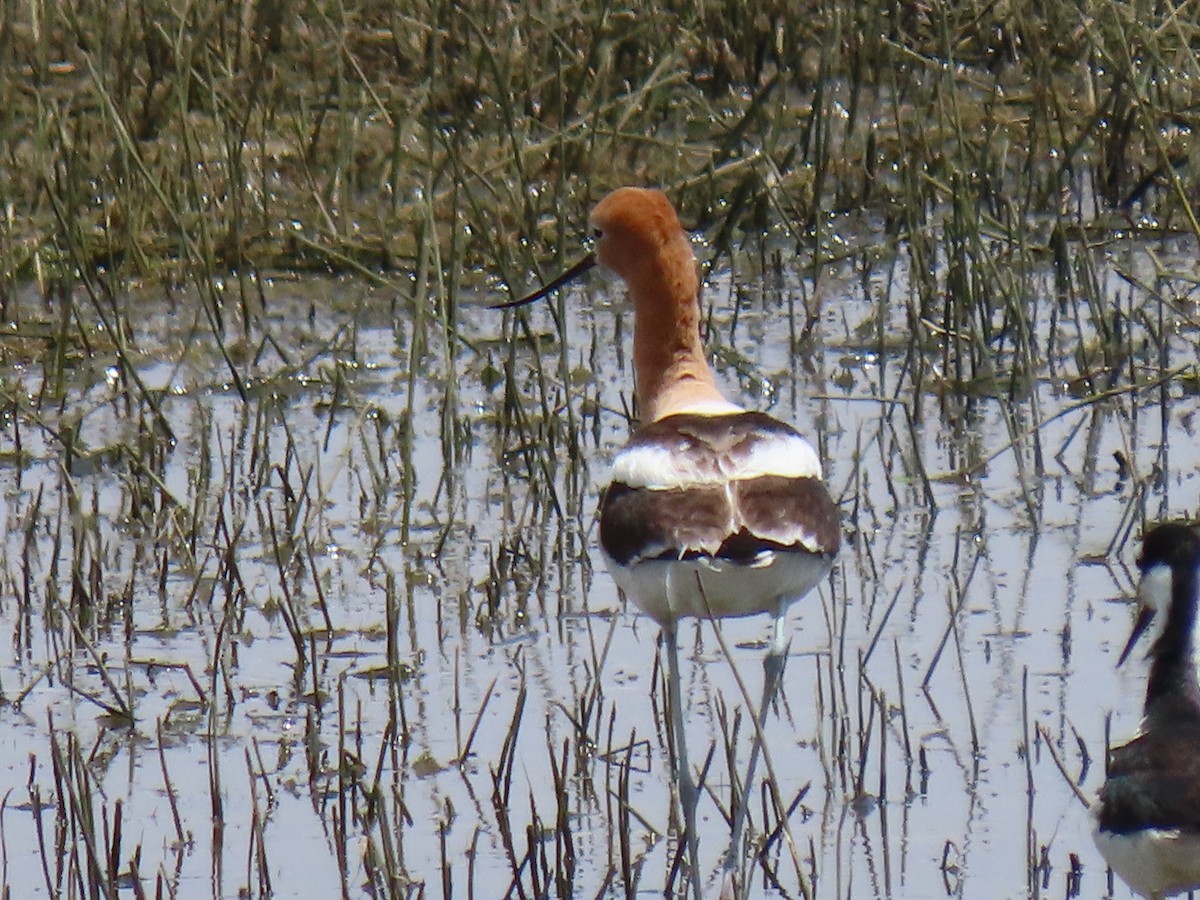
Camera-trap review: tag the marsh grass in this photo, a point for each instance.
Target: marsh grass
(967, 230)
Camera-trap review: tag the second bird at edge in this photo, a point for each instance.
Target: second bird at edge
(1146, 820)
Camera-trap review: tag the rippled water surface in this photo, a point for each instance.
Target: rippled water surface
(357, 615)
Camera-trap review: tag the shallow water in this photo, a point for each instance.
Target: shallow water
(372, 508)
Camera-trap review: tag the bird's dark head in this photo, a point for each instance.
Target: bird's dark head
(1170, 557)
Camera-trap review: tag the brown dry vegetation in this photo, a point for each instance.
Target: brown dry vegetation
(138, 139)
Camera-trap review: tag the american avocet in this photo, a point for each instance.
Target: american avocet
(712, 511)
(1147, 817)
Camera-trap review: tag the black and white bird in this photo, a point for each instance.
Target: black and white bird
(1147, 817)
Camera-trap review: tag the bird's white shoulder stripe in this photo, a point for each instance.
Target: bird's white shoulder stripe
(662, 467)
(709, 408)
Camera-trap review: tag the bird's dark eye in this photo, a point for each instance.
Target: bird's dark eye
(597, 233)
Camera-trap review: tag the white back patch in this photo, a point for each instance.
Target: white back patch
(659, 467)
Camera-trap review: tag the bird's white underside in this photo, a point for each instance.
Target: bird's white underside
(1155, 862)
(668, 590)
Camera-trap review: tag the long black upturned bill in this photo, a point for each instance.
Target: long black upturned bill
(571, 274)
